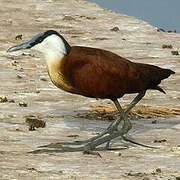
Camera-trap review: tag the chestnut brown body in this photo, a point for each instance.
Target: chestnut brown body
(99, 73)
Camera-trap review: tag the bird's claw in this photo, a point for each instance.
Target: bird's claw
(92, 153)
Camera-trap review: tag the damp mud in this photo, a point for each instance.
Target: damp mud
(26, 91)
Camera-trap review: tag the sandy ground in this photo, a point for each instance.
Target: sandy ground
(28, 91)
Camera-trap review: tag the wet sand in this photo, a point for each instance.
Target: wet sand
(28, 91)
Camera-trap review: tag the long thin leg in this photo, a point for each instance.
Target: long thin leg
(120, 109)
(118, 106)
(112, 131)
(123, 116)
(114, 125)
(135, 101)
(107, 131)
(126, 111)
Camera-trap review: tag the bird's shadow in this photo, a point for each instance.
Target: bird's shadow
(62, 147)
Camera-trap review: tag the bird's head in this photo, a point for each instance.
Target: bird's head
(50, 43)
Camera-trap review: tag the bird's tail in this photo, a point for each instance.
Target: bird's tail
(159, 89)
(165, 73)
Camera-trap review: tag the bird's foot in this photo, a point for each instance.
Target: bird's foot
(83, 142)
(88, 145)
(137, 143)
(112, 132)
(89, 152)
(94, 145)
(105, 137)
(113, 127)
(109, 130)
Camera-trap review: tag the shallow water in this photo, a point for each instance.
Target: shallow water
(160, 13)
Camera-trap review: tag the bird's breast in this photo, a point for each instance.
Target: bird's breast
(58, 78)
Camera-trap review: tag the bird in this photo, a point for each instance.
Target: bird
(96, 73)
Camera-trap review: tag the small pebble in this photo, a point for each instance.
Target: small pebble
(14, 63)
(73, 135)
(115, 29)
(101, 38)
(19, 76)
(176, 53)
(22, 104)
(34, 122)
(160, 141)
(167, 46)
(43, 79)
(18, 37)
(11, 101)
(154, 122)
(158, 170)
(68, 18)
(31, 169)
(87, 17)
(28, 54)
(138, 174)
(3, 99)
(90, 18)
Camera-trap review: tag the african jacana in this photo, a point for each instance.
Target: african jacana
(96, 73)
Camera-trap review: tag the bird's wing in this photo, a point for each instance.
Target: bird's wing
(99, 73)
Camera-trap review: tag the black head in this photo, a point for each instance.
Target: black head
(37, 39)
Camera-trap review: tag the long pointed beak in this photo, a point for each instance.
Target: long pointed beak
(25, 45)
(28, 44)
